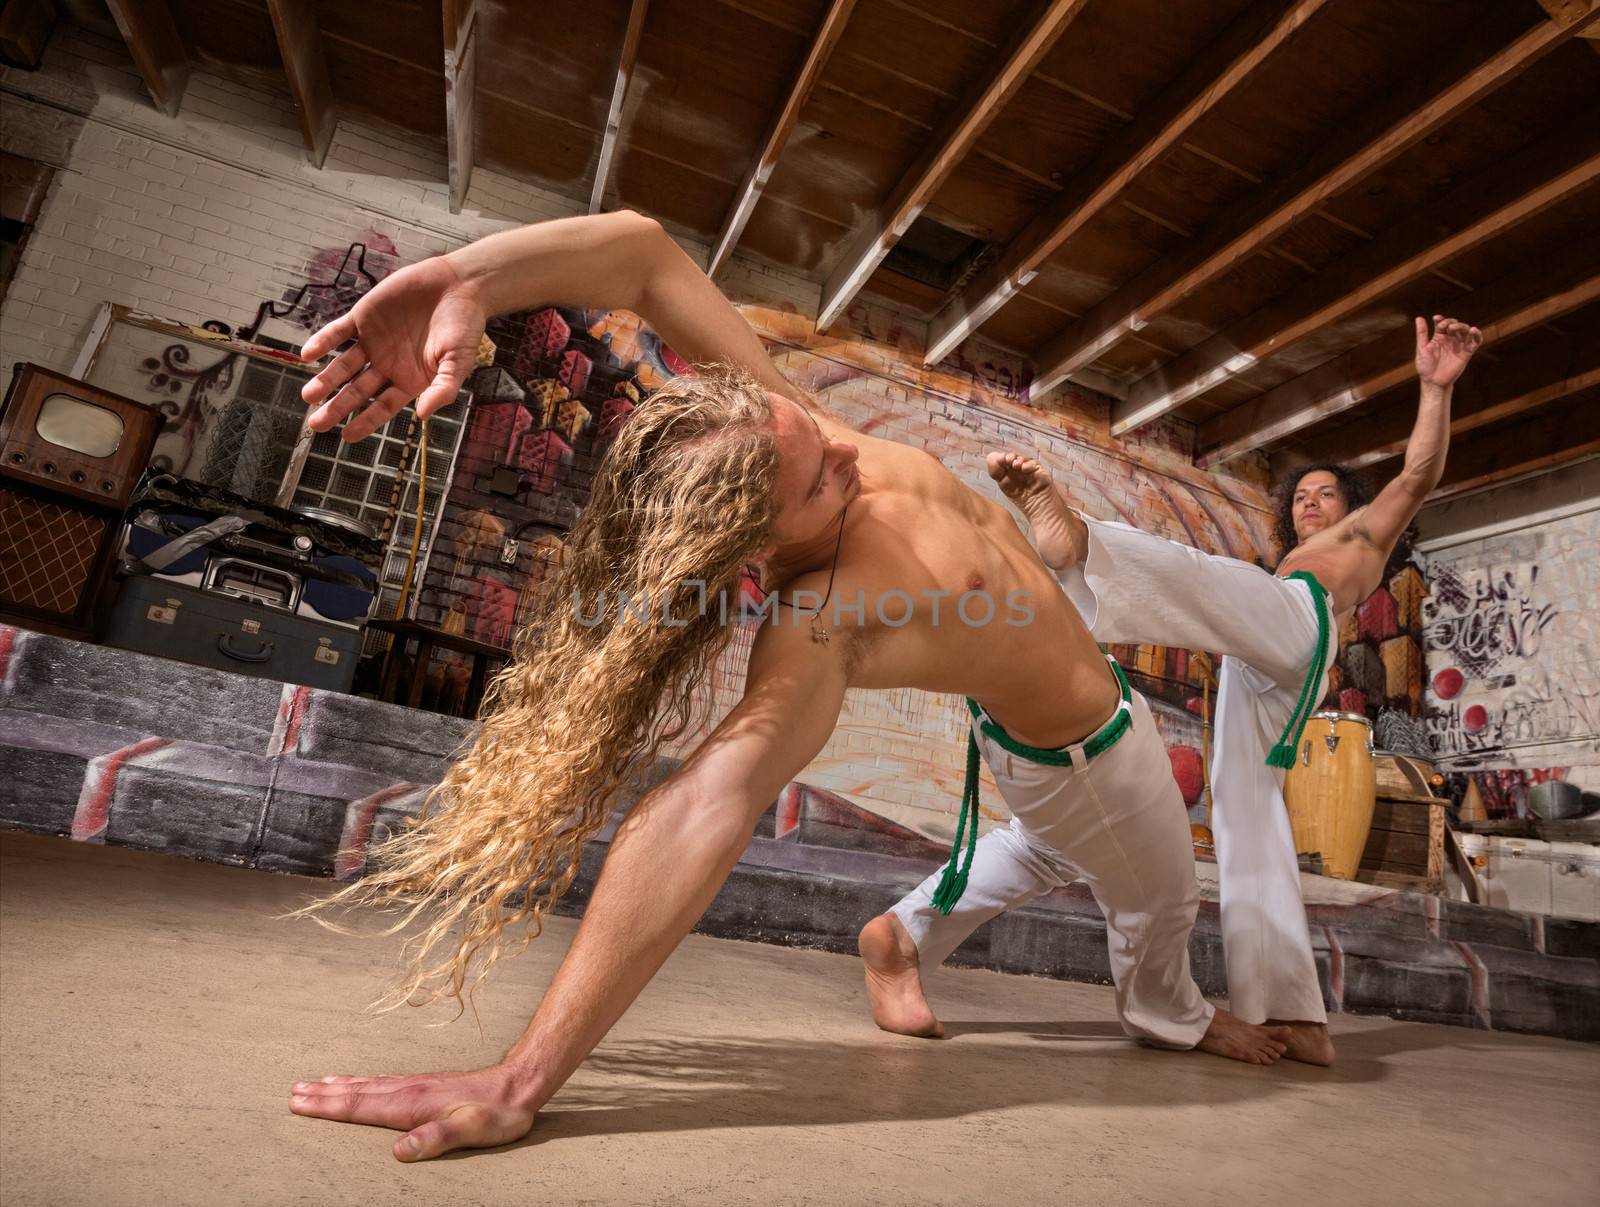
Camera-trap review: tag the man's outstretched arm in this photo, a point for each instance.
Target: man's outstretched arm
(1441, 359)
(416, 332)
(667, 862)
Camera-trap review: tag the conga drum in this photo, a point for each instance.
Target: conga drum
(1332, 789)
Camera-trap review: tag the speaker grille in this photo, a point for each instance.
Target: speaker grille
(47, 552)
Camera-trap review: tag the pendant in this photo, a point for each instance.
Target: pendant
(819, 633)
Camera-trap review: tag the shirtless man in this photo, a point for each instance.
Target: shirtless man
(708, 475)
(1278, 635)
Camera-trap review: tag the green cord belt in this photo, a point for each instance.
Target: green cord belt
(1282, 755)
(954, 881)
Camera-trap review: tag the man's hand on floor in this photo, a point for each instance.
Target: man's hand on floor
(437, 1111)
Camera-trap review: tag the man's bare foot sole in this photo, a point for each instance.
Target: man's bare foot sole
(1238, 1040)
(1308, 1043)
(1056, 531)
(894, 981)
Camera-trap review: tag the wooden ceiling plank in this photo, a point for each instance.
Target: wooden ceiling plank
(152, 38)
(1508, 408)
(1395, 123)
(1542, 374)
(1226, 63)
(744, 202)
(1382, 364)
(1564, 433)
(956, 137)
(305, 65)
(461, 40)
(1470, 215)
(619, 93)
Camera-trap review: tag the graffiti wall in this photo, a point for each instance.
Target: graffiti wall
(1512, 637)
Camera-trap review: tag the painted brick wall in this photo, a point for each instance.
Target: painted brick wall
(1512, 635)
(204, 216)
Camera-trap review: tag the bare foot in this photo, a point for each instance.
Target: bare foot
(1308, 1042)
(894, 982)
(1059, 533)
(1230, 1036)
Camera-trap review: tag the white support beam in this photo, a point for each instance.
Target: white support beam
(460, 94)
(744, 202)
(294, 23)
(619, 93)
(946, 150)
(152, 38)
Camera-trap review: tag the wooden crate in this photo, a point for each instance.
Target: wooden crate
(1406, 841)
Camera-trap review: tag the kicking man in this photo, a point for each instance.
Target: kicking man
(1278, 635)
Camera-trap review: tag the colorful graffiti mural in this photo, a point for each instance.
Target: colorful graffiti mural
(1512, 637)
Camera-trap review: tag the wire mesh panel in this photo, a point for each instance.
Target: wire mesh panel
(251, 437)
(365, 481)
(230, 411)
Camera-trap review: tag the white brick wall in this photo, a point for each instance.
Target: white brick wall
(206, 215)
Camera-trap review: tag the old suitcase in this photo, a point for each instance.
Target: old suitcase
(157, 616)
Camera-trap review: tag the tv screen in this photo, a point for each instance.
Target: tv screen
(80, 426)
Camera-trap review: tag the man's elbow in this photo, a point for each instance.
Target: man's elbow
(1421, 474)
(637, 225)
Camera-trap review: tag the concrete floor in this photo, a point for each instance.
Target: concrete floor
(153, 1015)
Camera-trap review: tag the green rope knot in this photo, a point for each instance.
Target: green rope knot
(1282, 754)
(954, 882)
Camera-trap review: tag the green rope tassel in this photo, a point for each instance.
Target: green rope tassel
(1282, 755)
(954, 881)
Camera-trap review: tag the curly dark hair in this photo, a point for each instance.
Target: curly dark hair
(1357, 489)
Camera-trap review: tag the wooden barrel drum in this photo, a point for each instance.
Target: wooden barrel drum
(1331, 790)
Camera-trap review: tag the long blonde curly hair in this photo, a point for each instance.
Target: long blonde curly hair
(685, 494)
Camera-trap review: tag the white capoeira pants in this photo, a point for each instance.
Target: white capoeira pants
(1143, 589)
(1116, 821)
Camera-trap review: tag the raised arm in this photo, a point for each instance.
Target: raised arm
(667, 861)
(1441, 358)
(416, 333)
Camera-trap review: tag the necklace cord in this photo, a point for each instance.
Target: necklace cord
(832, 570)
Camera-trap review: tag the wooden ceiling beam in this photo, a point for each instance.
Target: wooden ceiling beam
(294, 23)
(1557, 435)
(1390, 126)
(945, 151)
(1491, 393)
(152, 38)
(460, 95)
(1503, 310)
(744, 201)
(1530, 182)
(619, 93)
(1166, 122)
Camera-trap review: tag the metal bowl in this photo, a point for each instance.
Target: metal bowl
(1555, 800)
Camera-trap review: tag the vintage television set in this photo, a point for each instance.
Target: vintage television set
(70, 455)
